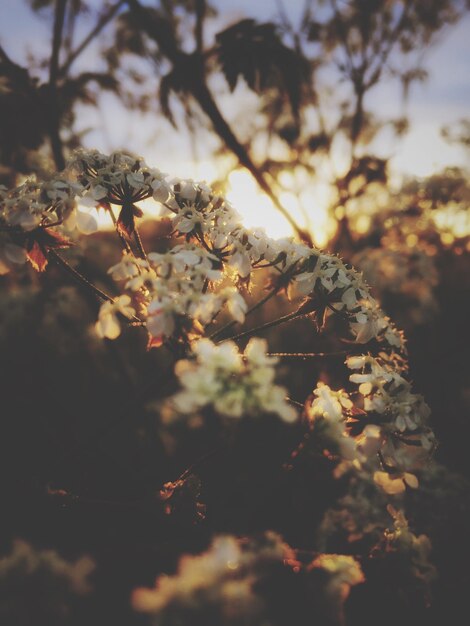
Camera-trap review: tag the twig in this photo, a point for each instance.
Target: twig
(280, 320)
(54, 113)
(56, 40)
(195, 84)
(200, 6)
(307, 355)
(77, 276)
(107, 17)
(139, 243)
(125, 244)
(255, 307)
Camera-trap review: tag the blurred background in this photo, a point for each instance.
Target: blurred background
(327, 102)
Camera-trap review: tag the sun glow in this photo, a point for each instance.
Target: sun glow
(255, 207)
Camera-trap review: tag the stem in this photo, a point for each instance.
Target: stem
(139, 243)
(255, 307)
(125, 244)
(89, 38)
(199, 28)
(54, 113)
(295, 402)
(193, 70)
(280, 320)
(194, 466)
(307, 355)
(56, 40)
(207, 103)
(77, 276)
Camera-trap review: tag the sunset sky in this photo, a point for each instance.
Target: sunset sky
(444, 98)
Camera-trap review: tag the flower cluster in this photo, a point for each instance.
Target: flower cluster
(120, 179)
(328, 409)
(343, 572)
(393, 439)
(221, 581)
(25, 571)
(206, 269)
(235, 384)
(235, 580)
(187, 296)
(416, 549)
(221, 248)
(34, 204)
(30, 216)
(387, 393)
(170, 291)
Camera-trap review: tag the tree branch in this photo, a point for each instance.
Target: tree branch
(54, 113)
(199, 29)
(102, 22)
(190, 68)
(277, 322)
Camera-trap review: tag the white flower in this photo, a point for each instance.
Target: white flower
(329, 407)
(349, 298)
(127, 268)
(237, 306)
(366, 327)
(136, 180)
(240, 261)
(108, 322)
(304, 283)
(99, 192)
(161, 190)
(188, 219)
(329, 403)
(160, 320)
(395, 484)
(86, 223)
(235, 385)
(188, 191)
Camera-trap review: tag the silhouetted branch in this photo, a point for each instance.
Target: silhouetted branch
(199, 30)
(102, 22)
(190, 71)
(54, 109)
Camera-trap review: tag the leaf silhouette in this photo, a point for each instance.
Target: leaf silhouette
(256, 53)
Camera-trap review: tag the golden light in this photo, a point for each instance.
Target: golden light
(150, 208)
(254, 206)
(453, 219)
(257, 209)
(316, 200)
(101, 216)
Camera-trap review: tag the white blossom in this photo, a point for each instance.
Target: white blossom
(235, 384)
(108, 324)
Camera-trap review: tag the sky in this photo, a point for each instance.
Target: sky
(444, 98)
